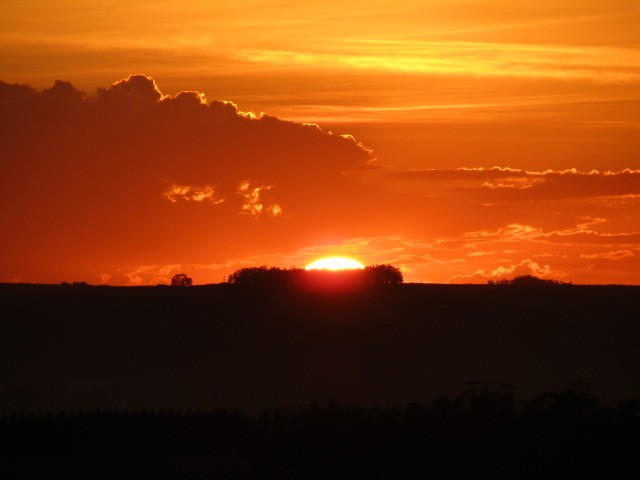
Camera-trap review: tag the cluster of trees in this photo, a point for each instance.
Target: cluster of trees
(526, 281)
(371, 275)
(74, 284)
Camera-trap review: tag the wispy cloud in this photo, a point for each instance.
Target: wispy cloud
(509, 184)
(602, 64)
(253, 203)
(612, 255)
(189, 193)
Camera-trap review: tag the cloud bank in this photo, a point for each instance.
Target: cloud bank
(128, 185)
(128, 171)
(507, 184)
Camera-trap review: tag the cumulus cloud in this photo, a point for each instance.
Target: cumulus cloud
(170, 134)
(125, 174)
(502, 272)
(134, 90)
(151, 274)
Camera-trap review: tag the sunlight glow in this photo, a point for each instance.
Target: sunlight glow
(334, 263)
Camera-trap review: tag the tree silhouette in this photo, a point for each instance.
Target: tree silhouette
(383, 274)
(181, 280)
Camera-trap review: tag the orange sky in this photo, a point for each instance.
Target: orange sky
(487, 138)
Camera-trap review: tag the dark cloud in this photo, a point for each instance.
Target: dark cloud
(131, 131)
(216, 136)
(9, 91)
(63, 92)
(90, 175)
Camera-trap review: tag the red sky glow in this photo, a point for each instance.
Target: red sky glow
(461, 141)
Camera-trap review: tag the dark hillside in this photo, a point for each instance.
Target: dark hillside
(68, 348)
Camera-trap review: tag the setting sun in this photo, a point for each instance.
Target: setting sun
(334, 263)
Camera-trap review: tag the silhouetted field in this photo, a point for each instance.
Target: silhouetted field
(71, 348)
(481, 434)
(97, 382)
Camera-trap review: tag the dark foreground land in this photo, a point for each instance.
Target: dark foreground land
(479, 435)
(72, 348)
(97, 381)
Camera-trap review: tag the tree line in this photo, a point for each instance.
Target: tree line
(527, 281)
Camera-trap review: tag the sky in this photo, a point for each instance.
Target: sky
(461, 140)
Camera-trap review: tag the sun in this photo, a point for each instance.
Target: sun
(334, 263)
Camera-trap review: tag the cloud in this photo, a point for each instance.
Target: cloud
(581, 235)
(93, 184)
(204, 193)
(509, 232)
(131, 91)
(518, 249)
(151, 274)
(509, 184)
(426, 258)
(127, 176)
(479, 254)
(162, 273)
(480, 59)
(525, 267)
(613, 255)
(133, 122)
(253, 204)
